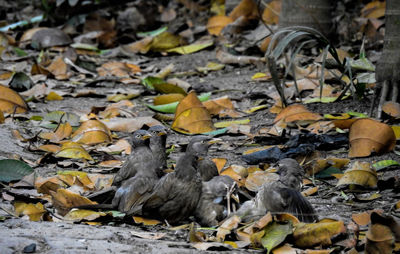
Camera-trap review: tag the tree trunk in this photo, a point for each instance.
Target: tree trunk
(389, 63)
(311, 13)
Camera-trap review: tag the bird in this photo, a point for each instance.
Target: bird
(211, 209)
(158, 142)
(281, 196)
(290, 173)
(176, 194)
(284, 194)
(207, 169)
(141, 158)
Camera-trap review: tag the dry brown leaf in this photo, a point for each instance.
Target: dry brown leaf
(321, 164)
(220, 163)
(296, 113)
(92, 132)
(367, 136)
(45, 185)
(285, 249)
(271, 12)
(310, 191)
(58, 68)
(361, 219)
(380, 239)
(246, 8)
(82, 214)
(64, 200)
(11, 101)
(391, 108)
(222, 107)
(217, 23)
(142, 46)
(237, 173)
(191, 116)
(227, 227)
(146, 222)
(374, 9)
(361, 173)
(310, 234)
(118, 69)
(63, 131)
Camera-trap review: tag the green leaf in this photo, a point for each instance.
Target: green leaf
(384, 164)
(171, 107)
(327, 173)
(12, 170)
(356, 114)
(275, 234)
(224, 124)
(362, 64)
(152, 33)
(184, 50)
(149, 82)
(20, 52)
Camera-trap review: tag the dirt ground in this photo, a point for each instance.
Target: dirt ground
(235, 81)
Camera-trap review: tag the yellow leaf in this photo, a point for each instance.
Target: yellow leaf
(144, 221)
(168, 98)
(53, 96)
(184, 50)
(34, 211)
(73, 150)
(81, 214)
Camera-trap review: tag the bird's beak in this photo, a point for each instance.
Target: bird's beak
(162, 133)
(214, 140)
(146, 136)
(235, 197)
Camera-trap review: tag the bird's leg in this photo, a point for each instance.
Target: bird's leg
(166, 222)
(228, 200)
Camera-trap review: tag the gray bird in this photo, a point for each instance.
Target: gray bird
(158, 142)
(141, 158)
(207, 169)
(211, 209)
(281, 196)
(176, 194)
(291, 173)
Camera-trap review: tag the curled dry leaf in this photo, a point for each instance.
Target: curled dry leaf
(217, 23)
(361, 174)
(63, 131)
(391, 108)
(58, 68)
(367, 136)
(296, 113)
(11, 101)
(92, 132)
(310, 234)
(222, 106)
(73, 150)
(64, 200)
(191, 116)
(168, 98)
(226, 228)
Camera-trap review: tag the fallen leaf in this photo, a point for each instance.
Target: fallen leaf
(92, 132)
(63, 131)
(77, 215)
(129, 125)
(271, 12)
(192, 48)
(222, 107)
(367, 136)
(362, 174)
(118, 69)
(191, 116)
(34, 211)
(310, 234)
(246, 8)
(64, 200)
(73, 150)
(217, 23)
(226, 227)
(148, 235)
(146, 222)
(11, 101)
(168, 98)
(391, 108)
(297, 113)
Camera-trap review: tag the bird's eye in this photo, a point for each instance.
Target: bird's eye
(138, 136)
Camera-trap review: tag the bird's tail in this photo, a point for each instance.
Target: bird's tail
(301, 207)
